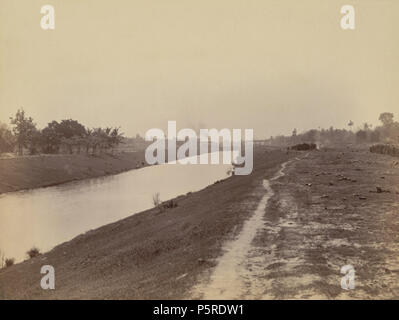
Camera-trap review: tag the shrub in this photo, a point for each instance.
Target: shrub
(385, 149)
(169, 204)
(33, 252)
(9, 262)
(304, 147)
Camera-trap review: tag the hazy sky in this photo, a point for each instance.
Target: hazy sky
(266, 65)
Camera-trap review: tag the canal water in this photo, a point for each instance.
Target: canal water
(46, 217)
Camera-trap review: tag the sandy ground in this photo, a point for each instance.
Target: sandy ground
(283, 232)
(46, 170)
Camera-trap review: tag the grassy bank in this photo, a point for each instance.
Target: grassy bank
(46, 170)
(152, 254)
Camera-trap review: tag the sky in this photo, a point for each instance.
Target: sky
(267, 65)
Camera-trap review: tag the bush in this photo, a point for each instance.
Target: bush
(169, 204)
(304, 147)
(9, 262)
(385, 149)
(34, 252)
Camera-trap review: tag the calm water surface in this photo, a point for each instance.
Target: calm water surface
(46, 217)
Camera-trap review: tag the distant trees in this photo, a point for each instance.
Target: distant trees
(388, 132)
(70, 136)
(312, 136)
(35, 141)
(100, 139)
(67, 136)
(51, 139)
(366, 134)
(24, 130)
(350, 124)
(71, 133)
(367, 126)
(7, 140)
(386, 118)
(361, 136)
(115, 137)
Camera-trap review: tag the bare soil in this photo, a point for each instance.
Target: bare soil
(330, 209)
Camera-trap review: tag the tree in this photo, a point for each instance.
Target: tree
(35, 141)
(361, 136)
(24, 129)
(104, 139)
(69, 128)
(68, 131)
(87, 141)
(97, 139)
(51, 138)
(116, 137)
(350, 124)
(367, 126)
(311, 135)
(7, 140)
(374, 136)
(389, 131)
(386, 118)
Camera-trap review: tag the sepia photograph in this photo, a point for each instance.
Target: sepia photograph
(184, 151)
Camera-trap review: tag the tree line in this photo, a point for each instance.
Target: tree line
(387, 132)
(66, 136)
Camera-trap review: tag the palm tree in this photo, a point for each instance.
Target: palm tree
(350, 124)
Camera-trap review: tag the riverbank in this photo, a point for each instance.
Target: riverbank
(47, 170)
(152, 254)
(329, 209)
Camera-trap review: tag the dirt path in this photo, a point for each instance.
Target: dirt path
(233, 278)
